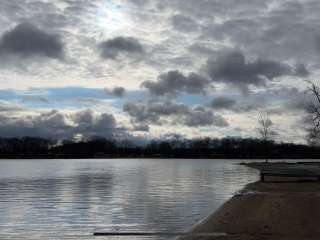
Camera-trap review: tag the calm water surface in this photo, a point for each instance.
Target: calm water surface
(71, 199)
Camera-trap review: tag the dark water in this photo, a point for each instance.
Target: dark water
(71, 199)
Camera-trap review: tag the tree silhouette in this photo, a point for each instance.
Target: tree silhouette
(313, 108)
(227, 148)
(264, 129)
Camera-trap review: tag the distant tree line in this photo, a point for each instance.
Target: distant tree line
(238, 148)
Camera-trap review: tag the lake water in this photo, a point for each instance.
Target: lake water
(71, 199)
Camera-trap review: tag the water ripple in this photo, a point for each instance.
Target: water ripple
(71, 199)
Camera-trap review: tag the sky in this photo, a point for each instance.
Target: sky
(156, 68)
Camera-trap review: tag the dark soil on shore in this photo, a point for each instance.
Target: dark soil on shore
(273, 211)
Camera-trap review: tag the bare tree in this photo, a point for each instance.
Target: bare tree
(313, 108)
(264, 129)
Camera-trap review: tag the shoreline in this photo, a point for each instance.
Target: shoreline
(273, 211)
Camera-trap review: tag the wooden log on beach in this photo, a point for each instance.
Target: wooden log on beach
(156, 234)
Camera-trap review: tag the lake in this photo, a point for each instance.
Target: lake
(71, 199)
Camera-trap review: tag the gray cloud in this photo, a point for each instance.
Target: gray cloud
(174, 82)
(141, 128)
(117, 91)
(248, 106)
(184, 23)
(47, 14)
(152, 111)
(202, 49)
(112, 48)
(206, 10)
(200, 116)
(6, 107)
(233, 68)
(51, 124)
(281, 100)
(301, 70)
(232, 23)
(275, 36)
(167, 108)
(57, 125)
(293, 99)
(239, 106)
(139, 112)
(174, 113)
(91, 124)
(222, 103)
(26, 40)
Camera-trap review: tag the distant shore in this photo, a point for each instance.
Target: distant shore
(198, 148)
(273, 211)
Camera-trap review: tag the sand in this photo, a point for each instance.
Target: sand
(273, 211)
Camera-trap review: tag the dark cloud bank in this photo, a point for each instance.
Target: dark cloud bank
(113, 48)
(230, 68)
(160, 113)
(222, 103)
(57, 125)
(233, 68)
(116, 92)
(175, 82)
(27, 40)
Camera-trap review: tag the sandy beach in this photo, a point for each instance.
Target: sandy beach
(273, 211)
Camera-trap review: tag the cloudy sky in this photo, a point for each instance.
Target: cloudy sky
(156, 68)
